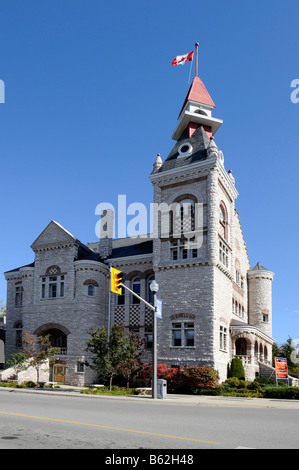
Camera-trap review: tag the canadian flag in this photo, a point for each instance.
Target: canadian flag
(181, 59)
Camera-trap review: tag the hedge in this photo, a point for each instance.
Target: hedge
(287, 393)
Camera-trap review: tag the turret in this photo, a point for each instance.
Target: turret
(260, 298)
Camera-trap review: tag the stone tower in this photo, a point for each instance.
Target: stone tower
(187, 266)
(260, 298)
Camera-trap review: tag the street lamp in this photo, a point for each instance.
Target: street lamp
(154, 287)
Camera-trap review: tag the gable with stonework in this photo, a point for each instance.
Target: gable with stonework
(54, 235)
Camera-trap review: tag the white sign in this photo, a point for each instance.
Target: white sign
(159, 308)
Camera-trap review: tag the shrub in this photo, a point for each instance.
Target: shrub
(30, 384)
(172, 375)
(232, 382)
(195, 377)
(236, 369)
(287, 393)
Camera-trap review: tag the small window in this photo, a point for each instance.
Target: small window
(183, 334)
(120, 299)
(52, 287)
(223, 338)
(80, 366)
(90, 290)
(189, 334)
(223, 254)
(19, 296)
(185, 150)
(176, 334)
(136, 287)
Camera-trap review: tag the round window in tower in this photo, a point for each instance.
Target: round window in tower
(185, 150)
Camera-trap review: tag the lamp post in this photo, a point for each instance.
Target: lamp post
(154, 287)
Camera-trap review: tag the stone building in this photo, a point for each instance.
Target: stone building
(215, 306)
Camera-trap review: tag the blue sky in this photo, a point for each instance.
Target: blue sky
(91, 98)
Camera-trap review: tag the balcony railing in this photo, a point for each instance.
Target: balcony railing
(62, 352)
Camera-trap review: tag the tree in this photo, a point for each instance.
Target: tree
(37, 350)
(288, 351)
(108, 352)
(17, 361)
(236, 369)
(2, 309)
(132, 362)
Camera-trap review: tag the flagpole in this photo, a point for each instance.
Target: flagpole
(196, 71)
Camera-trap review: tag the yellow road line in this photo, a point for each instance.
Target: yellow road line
(109, 427)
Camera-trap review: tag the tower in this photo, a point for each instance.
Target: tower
(260, 298)
(191, 190)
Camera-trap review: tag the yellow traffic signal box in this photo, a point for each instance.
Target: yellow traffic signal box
(116, 281)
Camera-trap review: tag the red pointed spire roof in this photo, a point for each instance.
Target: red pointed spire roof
(198, 93)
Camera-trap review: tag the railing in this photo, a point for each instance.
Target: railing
(246, 360)
(62, 352)
(250, 360)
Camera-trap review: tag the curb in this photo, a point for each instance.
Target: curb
(193, 400)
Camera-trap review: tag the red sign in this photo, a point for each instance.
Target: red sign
(281, 368)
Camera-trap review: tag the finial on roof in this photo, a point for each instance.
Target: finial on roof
(158, 162)
(212, 150)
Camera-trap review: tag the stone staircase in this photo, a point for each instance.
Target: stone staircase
(25, 375)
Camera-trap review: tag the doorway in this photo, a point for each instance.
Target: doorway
(59, 373)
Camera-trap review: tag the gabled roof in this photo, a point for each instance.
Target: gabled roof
(56, 233)
(198, 93)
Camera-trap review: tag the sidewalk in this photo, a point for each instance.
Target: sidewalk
(195, 400)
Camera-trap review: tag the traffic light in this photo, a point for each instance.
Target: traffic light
(116, 281)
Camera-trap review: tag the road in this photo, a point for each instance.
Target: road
(43, 421)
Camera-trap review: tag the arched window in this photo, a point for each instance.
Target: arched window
(91, 287)
(183, 228)
(223, 221)
(90, 290)
(135, 287)
(241, 347)
(256, 349)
